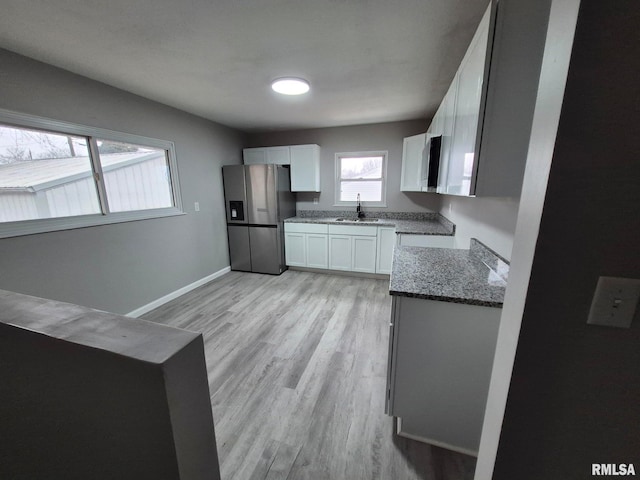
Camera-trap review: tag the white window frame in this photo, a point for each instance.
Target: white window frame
(29, 227)
(338, 179)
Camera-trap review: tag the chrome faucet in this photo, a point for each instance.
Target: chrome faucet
(359, 209)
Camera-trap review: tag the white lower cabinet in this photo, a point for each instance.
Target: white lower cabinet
(306, 245)
(440, 361)
(353, 248)
(363, 254)
(317, 246)
(350, 248)
(384, 253)
(295, 249)
(340, 252)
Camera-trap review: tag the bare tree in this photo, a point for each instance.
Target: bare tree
(21, 143)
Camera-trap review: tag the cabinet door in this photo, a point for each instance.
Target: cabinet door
(391, 360)
(442, 357)
(305, 168)
(364, 254)
(340, 252)
(278, 155)
(384, 257)
(294, 247)
(253, 156)
(467, 111)
(446, 120)
(317, 246)
(413, 167)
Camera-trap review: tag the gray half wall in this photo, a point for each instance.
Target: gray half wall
(120, 267)
(94, 395)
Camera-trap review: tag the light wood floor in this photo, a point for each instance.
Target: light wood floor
(297, 374)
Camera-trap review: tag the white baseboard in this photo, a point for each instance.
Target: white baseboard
(173, 295)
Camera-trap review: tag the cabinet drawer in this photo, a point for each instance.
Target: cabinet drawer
(362, 230)
(306, 227)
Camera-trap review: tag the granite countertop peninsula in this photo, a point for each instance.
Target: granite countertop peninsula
(477, 276)
(404, 222)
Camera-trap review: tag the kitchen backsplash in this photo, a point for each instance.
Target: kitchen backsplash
(390, 215)
(490, 258)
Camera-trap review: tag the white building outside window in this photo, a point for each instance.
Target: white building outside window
(56, 176)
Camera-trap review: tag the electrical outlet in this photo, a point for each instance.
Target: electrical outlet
(614, 302)
(196, 206)
(315, 200)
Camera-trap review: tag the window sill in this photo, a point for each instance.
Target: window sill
(364, 205)
(45, 225)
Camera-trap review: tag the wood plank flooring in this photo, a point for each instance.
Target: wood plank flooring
(297, 374)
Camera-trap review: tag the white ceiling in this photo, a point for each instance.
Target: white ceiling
(368, 61)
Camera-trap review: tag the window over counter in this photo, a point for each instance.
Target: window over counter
(361, 173)
(57, 175)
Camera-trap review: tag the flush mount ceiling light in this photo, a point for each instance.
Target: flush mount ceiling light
(290, 86)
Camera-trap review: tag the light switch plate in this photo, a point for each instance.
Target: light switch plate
(614, 302)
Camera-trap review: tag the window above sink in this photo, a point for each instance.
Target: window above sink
(361, 173)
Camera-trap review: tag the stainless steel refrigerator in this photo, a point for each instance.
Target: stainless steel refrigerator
(258, 198)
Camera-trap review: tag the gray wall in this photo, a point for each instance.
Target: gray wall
(381, 136)
(124, 266)
(491, 220)
(574, 397)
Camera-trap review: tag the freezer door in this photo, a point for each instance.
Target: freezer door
(239, 247)
(266, 250)
(262, 197)
(235, 193)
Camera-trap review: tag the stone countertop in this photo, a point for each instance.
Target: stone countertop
(475, 277)
(431, 225)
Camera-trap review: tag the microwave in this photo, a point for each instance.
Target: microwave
(432, 162)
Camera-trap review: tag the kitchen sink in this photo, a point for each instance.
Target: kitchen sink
(356, 219)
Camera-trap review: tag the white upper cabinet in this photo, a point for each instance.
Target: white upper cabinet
(304, 161)
(253, 156)
(442, 125)
(467, 111)
(278, 155)
(485, 118)
(413, 163)
(274, 155)
(305, 168)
